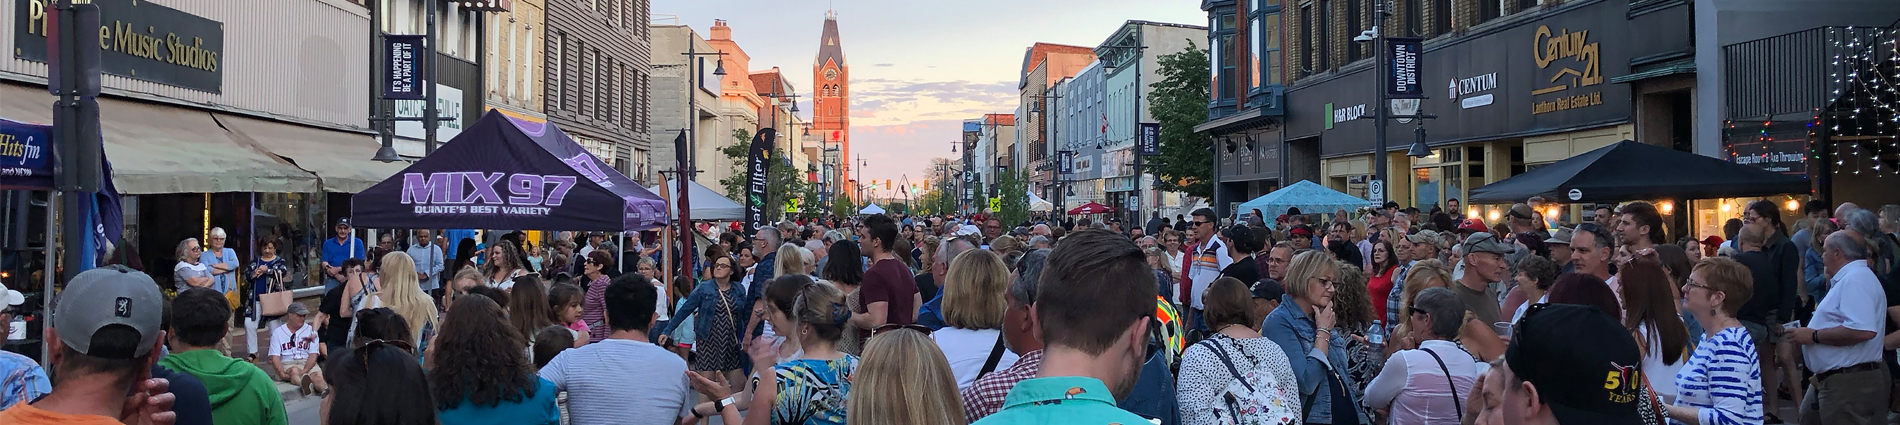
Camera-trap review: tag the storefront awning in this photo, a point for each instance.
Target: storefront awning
(340, 159)
(164, 149)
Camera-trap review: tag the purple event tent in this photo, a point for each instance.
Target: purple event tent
(505, 173)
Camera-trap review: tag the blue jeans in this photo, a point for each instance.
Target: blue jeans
(329, 284)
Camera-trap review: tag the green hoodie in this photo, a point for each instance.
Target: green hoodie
(240, 392)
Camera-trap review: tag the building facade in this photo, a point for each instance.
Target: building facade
(1043, 65)
(1804, 89)
(1079, 136)
(684, 99)
(598, 70)
(515, 71)
(1131, 63)
(265, 138)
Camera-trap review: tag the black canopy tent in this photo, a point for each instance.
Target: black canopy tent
(1629, 170)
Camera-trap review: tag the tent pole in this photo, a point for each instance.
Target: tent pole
(622, 265)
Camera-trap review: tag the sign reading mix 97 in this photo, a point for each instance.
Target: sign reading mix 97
(464, 193)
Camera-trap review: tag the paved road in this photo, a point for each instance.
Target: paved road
(303, 410)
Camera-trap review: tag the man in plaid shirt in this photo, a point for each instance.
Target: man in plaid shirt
(986, 396)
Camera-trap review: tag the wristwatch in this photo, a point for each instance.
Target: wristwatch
(720, 405)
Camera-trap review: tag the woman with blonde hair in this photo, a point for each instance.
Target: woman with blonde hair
(1483, 346)
(973, 307)
(1305, 322)
(904, 380)
(401, 293)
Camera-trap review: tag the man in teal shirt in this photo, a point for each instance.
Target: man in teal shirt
(1093, 307)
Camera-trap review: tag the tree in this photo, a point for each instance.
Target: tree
(1015, 198)
(931, 202)
(1179, 102)
(841, 206)
(781, 179)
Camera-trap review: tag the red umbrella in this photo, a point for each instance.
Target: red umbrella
(1091, 208)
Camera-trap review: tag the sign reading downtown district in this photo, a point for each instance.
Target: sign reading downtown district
(140, 40)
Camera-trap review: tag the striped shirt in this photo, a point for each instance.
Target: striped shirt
(1722, 380)
(621, 381)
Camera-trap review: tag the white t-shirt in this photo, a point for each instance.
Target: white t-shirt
(1662, 376)
(660, 303)
(289, 345)
(968, 349)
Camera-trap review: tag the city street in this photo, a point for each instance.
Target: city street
(1693, 198)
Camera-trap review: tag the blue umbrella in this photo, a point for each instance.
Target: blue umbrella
(1305, 195)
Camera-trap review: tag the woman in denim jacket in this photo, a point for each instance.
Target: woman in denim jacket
(723, 309)
(1303, 326)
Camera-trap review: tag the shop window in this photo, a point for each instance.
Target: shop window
(1355, 24)
(1414, 18)
(1441, 17)
(1226, 68)
(1307, 54)
(1523, 5)
(1489, 9)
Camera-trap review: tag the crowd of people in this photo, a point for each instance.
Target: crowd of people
(1376, 316)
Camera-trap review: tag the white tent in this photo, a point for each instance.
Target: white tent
(871, 209)
(1037, 204)
(705, 203)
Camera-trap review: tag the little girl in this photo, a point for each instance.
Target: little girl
(564, 303)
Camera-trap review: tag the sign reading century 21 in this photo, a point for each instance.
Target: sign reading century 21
(1574, 45)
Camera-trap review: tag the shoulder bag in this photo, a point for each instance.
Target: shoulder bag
(1455, 402)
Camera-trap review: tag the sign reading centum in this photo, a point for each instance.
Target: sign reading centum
(1578, 50)
(140, 40)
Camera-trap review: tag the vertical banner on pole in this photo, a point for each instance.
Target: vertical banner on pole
(1402, 56)
(682, 177)
(1149, 139)
(757, 167)
(402, 78)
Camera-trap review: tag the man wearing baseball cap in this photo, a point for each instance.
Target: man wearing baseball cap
(1484, 265)
(1568, 364)
(21, 378)
(106, 329)
(345, 246)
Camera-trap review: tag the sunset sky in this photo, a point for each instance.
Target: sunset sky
(918, 69)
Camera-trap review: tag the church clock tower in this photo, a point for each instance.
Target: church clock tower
(831, 103)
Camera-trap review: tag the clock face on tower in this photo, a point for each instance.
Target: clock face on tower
(831, 75)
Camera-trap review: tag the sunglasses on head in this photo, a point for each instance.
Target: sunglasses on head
(893, 326)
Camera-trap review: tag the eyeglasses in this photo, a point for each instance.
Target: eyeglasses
(893, 326)
(1324, 282)
(717, 266)
(1198, 222)
(1693, 284)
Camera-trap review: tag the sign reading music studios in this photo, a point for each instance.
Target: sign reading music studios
(140, 40)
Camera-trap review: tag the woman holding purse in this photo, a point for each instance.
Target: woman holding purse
(267, 275)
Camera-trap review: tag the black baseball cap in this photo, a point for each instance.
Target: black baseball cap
(1268, 289)
(1567, 351)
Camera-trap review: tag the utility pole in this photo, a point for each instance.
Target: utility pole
(74, 77)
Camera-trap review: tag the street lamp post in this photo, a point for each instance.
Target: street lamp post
(1383, 101)
(1036, 108)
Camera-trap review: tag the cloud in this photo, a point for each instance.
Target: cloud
(887, 102)
(884, 65)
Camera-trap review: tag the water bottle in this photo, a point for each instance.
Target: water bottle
(1376, 335)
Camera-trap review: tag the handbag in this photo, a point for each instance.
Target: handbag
(275, 303)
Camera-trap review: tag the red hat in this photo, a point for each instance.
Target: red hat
(1473, 225)
(1712, 240)
(1300, 230)
(1280, 219)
